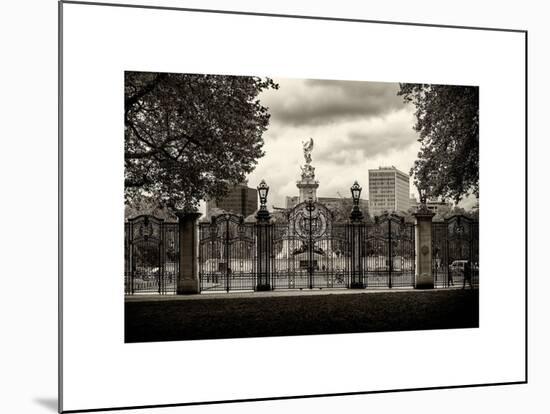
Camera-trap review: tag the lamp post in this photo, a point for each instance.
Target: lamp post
(356, 213)
(356, 239)
(263, 190)
(310, 208)
(423, 196)
(264, 230)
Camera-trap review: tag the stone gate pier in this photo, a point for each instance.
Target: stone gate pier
(424, 278)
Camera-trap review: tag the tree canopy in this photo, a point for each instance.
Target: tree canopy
(149, 207)
(189, 137)
(342, 210)
(447, 120)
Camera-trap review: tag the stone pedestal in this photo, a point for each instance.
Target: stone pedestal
(308, 189)
(188, 277)
(423, 241)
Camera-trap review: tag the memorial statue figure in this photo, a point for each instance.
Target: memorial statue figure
(308, 147)
(308, 172)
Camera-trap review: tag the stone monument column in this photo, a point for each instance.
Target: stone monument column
(424, 278)
(188, 277)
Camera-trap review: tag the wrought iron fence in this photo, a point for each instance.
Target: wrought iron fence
(309, 250)
(455, 258)
(390, 253)
(227, 259)
(306, 264)
(151, 252)
(306, 251)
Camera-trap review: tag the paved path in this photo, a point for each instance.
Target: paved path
(264, 314)
(273, 293)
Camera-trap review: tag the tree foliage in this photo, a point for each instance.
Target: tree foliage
(342, 210)
(148, 206)
(190, 136)
(447, 120)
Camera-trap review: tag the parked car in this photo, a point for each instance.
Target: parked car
(458, 266)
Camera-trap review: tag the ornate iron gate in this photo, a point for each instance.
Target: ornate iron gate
(390, 253)
(309, 250)
(455, 252)
(227, 259)
(151, 255)
(440, 261)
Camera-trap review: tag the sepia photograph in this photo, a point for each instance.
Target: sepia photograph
(264, 206)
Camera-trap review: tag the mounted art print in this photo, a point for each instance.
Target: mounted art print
(248, 195)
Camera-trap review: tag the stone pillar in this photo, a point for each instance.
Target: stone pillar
(188, 278)
(424, 278)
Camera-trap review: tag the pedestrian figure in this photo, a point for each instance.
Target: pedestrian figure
(450, 277)
(467, 275)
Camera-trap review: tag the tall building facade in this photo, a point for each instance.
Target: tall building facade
(240, 199)
(388, 190)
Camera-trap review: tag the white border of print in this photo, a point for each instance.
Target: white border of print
(101, 42)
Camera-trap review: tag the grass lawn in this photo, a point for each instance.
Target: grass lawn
(227, 317)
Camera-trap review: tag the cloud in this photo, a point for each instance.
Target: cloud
(321, 102)
(356, 126)
(371, 138)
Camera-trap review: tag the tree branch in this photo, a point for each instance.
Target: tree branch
(131, 100)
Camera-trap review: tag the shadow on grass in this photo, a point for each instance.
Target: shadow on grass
(217, 318)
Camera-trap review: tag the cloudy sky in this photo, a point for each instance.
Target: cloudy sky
(355, 126)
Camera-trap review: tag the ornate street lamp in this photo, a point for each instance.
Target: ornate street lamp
(356, 239)
(263, 240)
(423, 195)
(263, 190)
(356, 192)
(356, 213)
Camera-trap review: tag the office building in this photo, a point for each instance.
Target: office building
(240, 199)
(388, 190)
